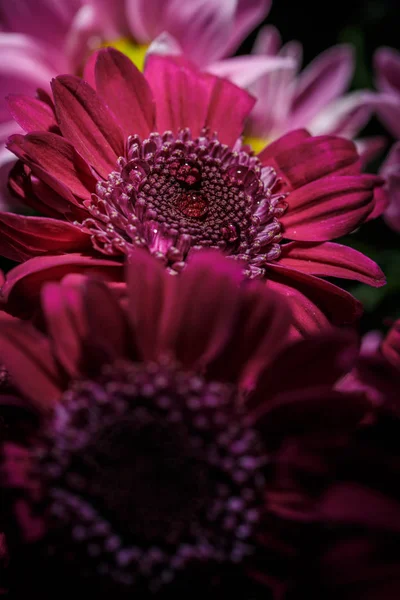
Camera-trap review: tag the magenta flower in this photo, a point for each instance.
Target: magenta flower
(42, 39)
(315, 98)
(162, 417)
(138, 164)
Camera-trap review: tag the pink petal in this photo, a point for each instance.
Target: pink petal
(164, 45)
(88, 70)
(31, 114)
(388, 110)
(147, 283)
(20, 294)
(44, 20)
(314, 302)
(30, 189)
(331, 260)
(245, 70)
(326, 78)
(381, 203)
(345, 116)
(181, 94)
(197, 317)
(387, 66)
(274, 92)
(62, 306)
(329, 207)
(262, 324)
(391, 346)
(58, 158)
(108, 332)
(314, 158)
(370, 148)
(146, 20)
(87, 123)
(8, 201)
(229, 106)
(268, 41)
(28, 357)
(391, 172)
(353, 504)
(249, 14)
(187, 98)
(201, 27)
(286, 142)
(320, 411)
(126, 92)
(24, 237)
(329, 356)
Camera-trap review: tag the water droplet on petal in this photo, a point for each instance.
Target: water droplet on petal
(238, 172)
(192, 205)
(230, 232)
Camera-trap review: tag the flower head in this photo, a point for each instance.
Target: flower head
(163, 412)
(315, 98)
(157, 162)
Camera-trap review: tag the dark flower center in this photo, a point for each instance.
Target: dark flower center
(151, 472)
(172, 193)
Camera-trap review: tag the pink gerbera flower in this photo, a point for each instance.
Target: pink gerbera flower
(157, 162)
(315, 98)
(162, 416)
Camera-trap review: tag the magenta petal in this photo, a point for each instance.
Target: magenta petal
(314, 158)
(181, 93)
(314, 302)
(107, 330)
(388, 110)
(62, 306)
(331, 260)
(58, 158)
(185, 97)
(87, 123)
(89, 69)
(387, 66)
(147, 282)
(21, 291)
(229, 106)
(28, 357)
(24, 237)
(262, 323)
(330, 355)
(319, 411)
(283, 144)
(31, 114)
(197, 336)
(353, 504)
(126, 92)
(329, 207)
(391, 172)
(322, 81)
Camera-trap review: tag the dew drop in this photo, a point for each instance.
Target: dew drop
(230, 232)
(192, 205)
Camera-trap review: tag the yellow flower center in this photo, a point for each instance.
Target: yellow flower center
(136, 52)
(257, 144)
